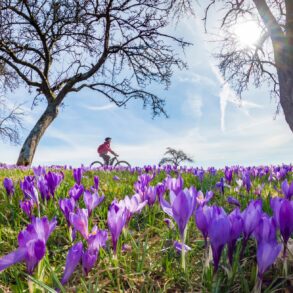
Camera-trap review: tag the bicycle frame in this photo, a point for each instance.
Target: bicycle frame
(111, 162)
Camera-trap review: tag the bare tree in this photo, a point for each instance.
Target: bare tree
(175, 157)
(11, 116)
(115, 48)
(10, 122)
(270, 60)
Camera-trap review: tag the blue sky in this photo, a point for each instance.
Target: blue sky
(206, 120)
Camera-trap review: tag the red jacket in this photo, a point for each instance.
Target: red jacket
(104, 148)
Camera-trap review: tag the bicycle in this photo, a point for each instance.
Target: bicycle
(111, 163)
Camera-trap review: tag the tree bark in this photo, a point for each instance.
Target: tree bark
(29, 147)
(286, 95)
(283, 53)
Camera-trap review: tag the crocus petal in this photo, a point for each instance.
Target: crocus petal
(166, 207)
(267, 253)
(12, 258)
(89, 259)
(233, 201)
(72, 260)
(286, 219)
(178, 246)
(182, 209)
(80, 221)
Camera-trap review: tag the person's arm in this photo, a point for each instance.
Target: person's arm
(112, 152)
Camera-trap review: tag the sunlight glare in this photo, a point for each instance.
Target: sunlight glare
(247, 33)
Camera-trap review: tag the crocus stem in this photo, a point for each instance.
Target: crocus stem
(284, 250)
(39, 213)
(30, 286)
(285, 266)
(183, 265)
(70, 234)
(257, 286)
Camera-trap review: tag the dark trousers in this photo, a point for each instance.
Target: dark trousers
(106, 158)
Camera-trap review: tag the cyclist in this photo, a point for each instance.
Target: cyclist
(103, 150)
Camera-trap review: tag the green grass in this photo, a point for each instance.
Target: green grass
(152, 265)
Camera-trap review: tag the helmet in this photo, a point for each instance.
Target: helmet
(108, 138)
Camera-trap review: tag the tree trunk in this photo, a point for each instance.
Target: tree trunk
(286, 95)
(283, 53)
(29, 147)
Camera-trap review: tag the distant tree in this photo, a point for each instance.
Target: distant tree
(270, 60)
(113, 47)
(10, 122)
(10, 115)
(175, 157)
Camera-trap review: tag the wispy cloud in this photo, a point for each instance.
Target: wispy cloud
(192, 105)
(99, 108)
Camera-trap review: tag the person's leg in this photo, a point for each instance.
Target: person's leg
(106, 158)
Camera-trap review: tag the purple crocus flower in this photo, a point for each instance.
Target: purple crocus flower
(267, 253)
(200, 175)
(287, 189)
(89, 258)
(142, 184)
(79, 221)
(178, 246)
(275, 203)
(151, 195)
(259, 189)
(43, 188)
(180, 208)
(53, 181)
(116, 178)
(169, 223)
(266, 229)
(201, 199)
(67, 206)
(236, 228)
(133, 205)
(117, 217)
(246, 180)
(96, 183)
(72, 260)
(219, 233)
(203, 216)
(97, 239)
(221, 185)
(126, 247)
(29, 190)
(286, 221)
(92, 200)
(27, 207)
(39, 171)
(233, 201)
(32, 244)
(8, 185)
(174, 184)
(77, 175)
(251, 217)
(160, 189)
(229, 175)
(76, 191)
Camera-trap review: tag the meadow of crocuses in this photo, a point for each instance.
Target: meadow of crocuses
(149, 229)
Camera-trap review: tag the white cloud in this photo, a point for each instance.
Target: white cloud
(100, 108)
(192, 105)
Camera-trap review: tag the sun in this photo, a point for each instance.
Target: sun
(247, 33)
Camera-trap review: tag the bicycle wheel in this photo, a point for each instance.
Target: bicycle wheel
(96, 164)
(122, 164)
